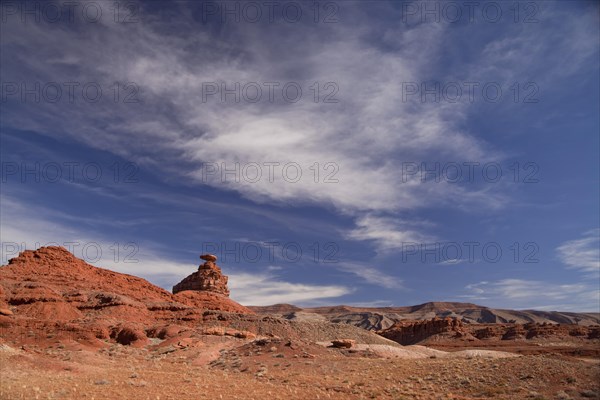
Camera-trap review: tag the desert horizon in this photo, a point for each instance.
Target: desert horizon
(57, 310)
(440, 303)
(299, 199)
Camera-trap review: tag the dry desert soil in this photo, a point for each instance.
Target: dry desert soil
(230, 368)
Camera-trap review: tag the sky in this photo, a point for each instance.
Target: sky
(366, 153)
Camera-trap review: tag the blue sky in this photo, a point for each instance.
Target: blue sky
(296, 145)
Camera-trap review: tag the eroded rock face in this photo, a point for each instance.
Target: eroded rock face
(208, 278)
(411, 332)
(415, 331)
(51, 292)
(130, 336)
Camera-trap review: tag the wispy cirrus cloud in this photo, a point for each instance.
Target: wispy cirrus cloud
(266, 289)
(374, 128)
(175, 131)
(371, 275)
(582, 254)
(530, 294)
(388, 233)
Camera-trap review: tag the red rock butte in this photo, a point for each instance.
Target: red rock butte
(50, 284)
(208, 278)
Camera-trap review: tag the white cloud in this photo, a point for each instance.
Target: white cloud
(533, 294)
(264, 289)
(453, 261)
(583, 254)
(372, 275)
(388, 233)
(566, 44)
(366, 136)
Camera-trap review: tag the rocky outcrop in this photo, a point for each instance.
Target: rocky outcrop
(514, 332)
(490, 332)
(130, 335)
(208, 278)
(426, 332)
(533, 331)
(343, 343)
(210, 301)
(411, 332)
(49, 291)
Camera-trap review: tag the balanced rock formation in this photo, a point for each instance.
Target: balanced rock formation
(51, 292)
(208, 278)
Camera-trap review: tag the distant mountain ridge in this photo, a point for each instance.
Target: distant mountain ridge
(377, 318)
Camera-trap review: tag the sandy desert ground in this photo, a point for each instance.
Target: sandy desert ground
(230, 368)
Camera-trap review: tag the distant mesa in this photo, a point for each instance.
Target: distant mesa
(208, 278)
